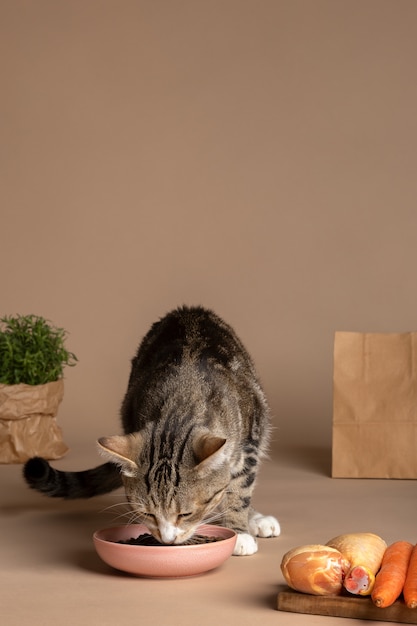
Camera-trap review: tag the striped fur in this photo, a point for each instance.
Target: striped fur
(196, 425)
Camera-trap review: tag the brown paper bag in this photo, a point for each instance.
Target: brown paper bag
(375, 405)
(27, 422)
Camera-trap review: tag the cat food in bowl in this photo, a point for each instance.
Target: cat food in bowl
(125, 548)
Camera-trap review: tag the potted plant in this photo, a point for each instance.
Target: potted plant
(32, 359)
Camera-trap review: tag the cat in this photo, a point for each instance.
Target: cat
(196, 424)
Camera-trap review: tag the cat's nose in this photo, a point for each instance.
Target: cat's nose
(168, 532)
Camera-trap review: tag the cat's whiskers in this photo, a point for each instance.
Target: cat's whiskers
(128, 514)
(136, 518)
(214, 516)
(112, 507)
(115, 505)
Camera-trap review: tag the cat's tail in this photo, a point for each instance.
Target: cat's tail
(55, 483)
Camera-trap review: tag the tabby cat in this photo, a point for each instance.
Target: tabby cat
(196, 425)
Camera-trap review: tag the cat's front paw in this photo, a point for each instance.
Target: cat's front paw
(264, 525)
(245, 545)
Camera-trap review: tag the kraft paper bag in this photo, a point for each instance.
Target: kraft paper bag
(375, 405)
(28, 424)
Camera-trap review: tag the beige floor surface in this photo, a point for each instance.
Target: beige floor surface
(51, 575)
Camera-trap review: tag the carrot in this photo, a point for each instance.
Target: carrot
(390, 579)
(410, 585)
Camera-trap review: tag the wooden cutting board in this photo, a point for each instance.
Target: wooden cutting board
(343, 606)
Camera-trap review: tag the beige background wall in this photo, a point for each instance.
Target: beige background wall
(254, 156)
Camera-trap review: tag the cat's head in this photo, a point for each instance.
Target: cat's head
(172, 485)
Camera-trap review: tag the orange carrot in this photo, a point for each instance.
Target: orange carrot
(389, 581)
(410, 585)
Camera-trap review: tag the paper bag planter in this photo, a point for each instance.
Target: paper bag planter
(32, 360)
(27, 422)
(375, 405)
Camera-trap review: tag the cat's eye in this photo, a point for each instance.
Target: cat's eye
(149, 516)
(184, 515)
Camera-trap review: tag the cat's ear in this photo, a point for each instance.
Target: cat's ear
(122, 451)
(210, 452)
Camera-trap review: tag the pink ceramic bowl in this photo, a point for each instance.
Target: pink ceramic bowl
(163, 561)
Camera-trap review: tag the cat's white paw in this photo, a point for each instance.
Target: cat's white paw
(245, 545)
(264, 525)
